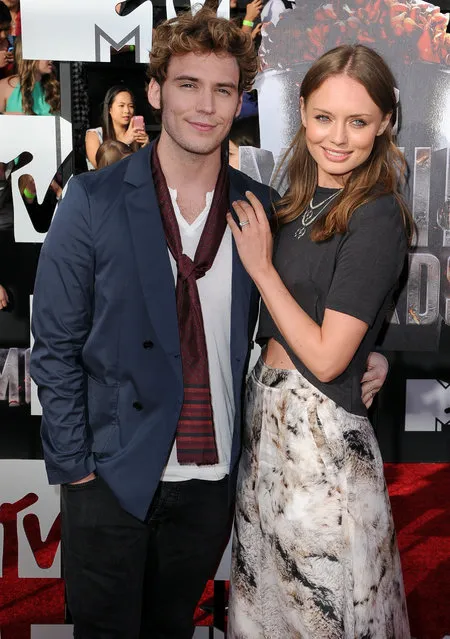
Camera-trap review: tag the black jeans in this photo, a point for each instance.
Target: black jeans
(126, 579)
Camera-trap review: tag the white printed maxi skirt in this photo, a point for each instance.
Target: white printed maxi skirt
(314, 553)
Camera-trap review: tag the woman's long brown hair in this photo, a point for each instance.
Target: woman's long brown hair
(384, 170)
(26, 71)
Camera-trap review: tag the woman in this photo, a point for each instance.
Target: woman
(315, 554)
(33, 91)
(117, 124)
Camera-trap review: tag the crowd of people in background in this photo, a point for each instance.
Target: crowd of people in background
(10, 29)
(27, 87)
(31, 87)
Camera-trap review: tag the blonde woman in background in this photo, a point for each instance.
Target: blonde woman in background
(34, 90)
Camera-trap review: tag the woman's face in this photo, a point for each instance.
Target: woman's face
(45, 67)
(341, 122)
(122, 108)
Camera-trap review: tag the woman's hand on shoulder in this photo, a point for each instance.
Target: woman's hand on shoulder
(253, 236)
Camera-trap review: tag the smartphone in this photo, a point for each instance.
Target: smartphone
(138, 122)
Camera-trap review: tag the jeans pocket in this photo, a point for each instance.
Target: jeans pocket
(87, 485)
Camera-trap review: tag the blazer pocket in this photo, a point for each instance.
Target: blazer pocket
(102, 403)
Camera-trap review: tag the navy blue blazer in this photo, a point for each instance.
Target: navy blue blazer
(106, 356)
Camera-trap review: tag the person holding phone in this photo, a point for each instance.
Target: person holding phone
(33, 90)
(118, 123)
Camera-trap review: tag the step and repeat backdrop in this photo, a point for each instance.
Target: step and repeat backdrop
(90, 45)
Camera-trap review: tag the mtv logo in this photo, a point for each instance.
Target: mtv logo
(49, 140)
(83, 30)
(29, 521)
(427, 405)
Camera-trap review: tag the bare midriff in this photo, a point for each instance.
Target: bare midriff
(275, 355)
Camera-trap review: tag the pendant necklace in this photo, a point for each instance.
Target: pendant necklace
(311, 214)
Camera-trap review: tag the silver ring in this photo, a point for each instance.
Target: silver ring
(244, 223)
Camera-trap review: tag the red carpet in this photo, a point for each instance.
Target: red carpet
(420, 495)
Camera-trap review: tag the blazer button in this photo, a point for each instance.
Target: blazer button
(147, 344)
(137, 405)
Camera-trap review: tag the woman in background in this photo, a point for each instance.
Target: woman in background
(117, 124)
(315, 552)
(34, 90)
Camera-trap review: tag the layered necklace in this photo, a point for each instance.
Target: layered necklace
(312, 213)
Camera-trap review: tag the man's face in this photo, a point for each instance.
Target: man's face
(198, 100)
(5, 30)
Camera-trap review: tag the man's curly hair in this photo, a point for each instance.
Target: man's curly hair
(203, 32)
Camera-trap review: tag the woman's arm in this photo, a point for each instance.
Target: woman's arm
(7, 86)
(4, 86)
(92, 142)
(325, 350)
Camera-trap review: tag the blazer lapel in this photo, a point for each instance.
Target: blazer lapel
(151, 252)
(241, 286)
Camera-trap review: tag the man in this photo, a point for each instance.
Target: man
(6, 56)
(143, 316)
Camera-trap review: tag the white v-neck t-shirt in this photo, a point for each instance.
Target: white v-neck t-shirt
(214, 290)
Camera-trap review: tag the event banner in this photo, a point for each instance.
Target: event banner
(410, 35)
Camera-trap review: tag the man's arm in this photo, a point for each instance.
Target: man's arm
(61, 322)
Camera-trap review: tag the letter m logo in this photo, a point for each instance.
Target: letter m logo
(83, 30)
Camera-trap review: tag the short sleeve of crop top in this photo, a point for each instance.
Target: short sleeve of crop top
(367, 260)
